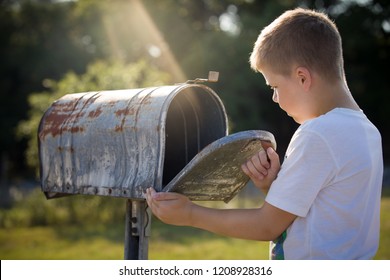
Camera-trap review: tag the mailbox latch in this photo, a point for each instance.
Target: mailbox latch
(213, 78)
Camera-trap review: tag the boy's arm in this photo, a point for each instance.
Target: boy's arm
(265, 223)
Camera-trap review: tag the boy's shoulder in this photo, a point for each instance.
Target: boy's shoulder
(336, 119)
(341, 125)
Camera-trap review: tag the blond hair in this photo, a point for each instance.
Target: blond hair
(300, 37)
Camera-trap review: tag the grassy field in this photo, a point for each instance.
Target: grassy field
(106, 241)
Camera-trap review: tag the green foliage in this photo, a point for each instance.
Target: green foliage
(35, 210)
(99, 76)
(39, 40)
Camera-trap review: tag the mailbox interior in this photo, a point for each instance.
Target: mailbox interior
(195, 119)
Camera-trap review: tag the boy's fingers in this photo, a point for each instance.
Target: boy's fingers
(260, 162)
(274, 159)
(257, 165)
(251, 171)
(262, 155)
(149, 200)
(253, 165)
(245, 169)
(165, 196)
(151, 194)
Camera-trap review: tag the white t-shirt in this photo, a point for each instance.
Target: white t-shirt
(331, 178)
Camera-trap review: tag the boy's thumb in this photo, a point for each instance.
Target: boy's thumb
(273, 158)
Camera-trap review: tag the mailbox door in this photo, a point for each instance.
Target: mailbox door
(215, 173)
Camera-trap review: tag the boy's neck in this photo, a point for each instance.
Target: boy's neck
(335, 95)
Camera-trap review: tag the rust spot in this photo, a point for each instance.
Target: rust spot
(121, 112)
(61, 117)
(95, 113)
(118, 128)
(61, 149)
(147, 100)
(75, 129)
(125, 112)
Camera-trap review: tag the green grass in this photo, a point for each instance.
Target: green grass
(170, 242)
(106, 241)
(384, 245)
(59, 243)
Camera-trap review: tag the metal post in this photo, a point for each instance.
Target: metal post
(138, 225)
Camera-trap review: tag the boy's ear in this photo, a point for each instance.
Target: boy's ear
(304, 77)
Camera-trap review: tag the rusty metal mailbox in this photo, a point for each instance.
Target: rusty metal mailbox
(118, 143)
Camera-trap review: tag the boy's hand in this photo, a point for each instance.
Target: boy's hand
(263, 168)
(171, 208)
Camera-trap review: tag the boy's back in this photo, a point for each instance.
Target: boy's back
(331, 179)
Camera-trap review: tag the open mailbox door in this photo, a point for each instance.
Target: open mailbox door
(215, 173)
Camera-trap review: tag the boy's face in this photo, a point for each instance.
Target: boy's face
(286, 92)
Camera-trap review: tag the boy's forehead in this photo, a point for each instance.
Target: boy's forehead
(267, 77)
(271, 76)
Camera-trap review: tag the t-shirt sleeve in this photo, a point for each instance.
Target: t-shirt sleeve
(308, 167)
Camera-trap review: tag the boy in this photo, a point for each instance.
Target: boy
(323, 202)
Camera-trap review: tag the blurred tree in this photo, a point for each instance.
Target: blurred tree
(39, 40)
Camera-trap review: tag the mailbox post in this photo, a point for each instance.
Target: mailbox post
(137, 230)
